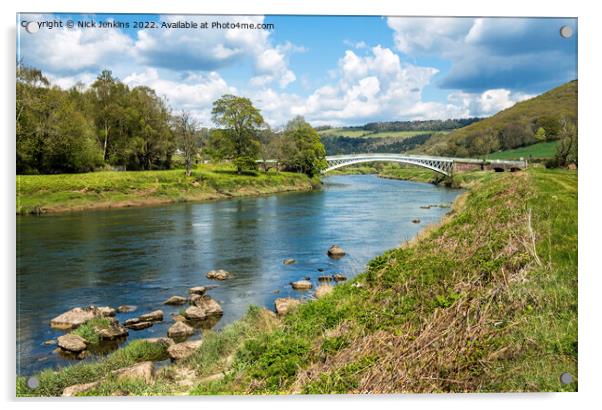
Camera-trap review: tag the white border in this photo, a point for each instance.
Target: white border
(589, 197)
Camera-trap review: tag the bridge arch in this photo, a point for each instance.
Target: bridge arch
(439, 166)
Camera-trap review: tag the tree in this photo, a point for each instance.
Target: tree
(238, 137)
(567, 150)
(304, 151)
(109, 97)
(186, 130)
(540, 135)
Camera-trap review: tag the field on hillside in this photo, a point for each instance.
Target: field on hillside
(542, 150)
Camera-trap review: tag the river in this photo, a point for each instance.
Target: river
(142, 256)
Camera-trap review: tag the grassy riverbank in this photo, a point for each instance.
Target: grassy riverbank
(485, 302)
(76, 192)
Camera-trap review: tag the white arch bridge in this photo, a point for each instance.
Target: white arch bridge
(442, 165)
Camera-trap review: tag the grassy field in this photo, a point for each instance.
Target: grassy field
(73, 192)
(484, 302)
(344, 132)
(543, 150)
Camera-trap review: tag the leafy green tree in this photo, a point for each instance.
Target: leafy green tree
(540, 134)
(239, 125)
(304, 151)
(109, 96)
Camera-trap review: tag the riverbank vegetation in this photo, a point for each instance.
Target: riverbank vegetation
(74, 192)
(484, 302)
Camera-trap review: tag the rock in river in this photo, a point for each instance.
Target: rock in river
(335, 251)
(339, 277)
(175, 300)
(416, 221)
(72, 343)
(136, 324)
(301, 285)
(126, 308)
(219, 274)
(284, 305)
(112, 332)
(204, 307)
(180, 330)
(288, 261)
(325, 278)
(184, 349)
(197, 290)
(105, 311)
(154, 316)
(72, 318)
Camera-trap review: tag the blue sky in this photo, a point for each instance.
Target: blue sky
(337, 70)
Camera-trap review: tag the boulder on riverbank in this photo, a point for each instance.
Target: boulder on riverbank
(218, 274)
(72, 343)
(288, 261)
(284, 305)
(175, 300)
(335, 251)
(144, 371)
(180, 330)
(183, 350)
(323, 290)
(165, 341)
(301, 285)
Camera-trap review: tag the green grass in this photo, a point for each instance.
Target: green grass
(543, 150)
(55, 193)
(52, 383)
(344, 132)
(89, 329)
(471, 306)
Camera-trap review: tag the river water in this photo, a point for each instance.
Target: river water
(142, 256)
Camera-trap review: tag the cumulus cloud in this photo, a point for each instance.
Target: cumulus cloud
(194, 93)
(62, 51)
(489, 53)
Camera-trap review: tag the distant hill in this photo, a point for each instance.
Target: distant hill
(532, 121)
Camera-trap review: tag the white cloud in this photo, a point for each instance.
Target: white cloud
(486, 103)
(63, 50)
(195, 93)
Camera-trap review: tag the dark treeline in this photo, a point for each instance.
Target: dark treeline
(112, 126)
(420, 125)
(338, 145)
(417, 125)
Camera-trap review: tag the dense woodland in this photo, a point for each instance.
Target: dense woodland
(112, 126)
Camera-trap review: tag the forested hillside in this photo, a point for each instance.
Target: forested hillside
(548, 117)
